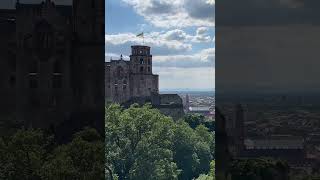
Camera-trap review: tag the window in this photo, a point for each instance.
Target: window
(120, 72)
(141, 69)
(149, 61)
(33, 82)
(33, 67)
(149, 69)
(54, 100)
(12, 81)
(57, 81)
(141, 61)
(12, 61)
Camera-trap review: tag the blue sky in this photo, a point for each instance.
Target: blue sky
(180, 33)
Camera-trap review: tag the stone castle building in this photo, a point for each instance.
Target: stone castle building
(132, 81)
(129, 79)
(52, 62)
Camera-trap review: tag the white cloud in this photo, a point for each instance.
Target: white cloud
(154, 39)
(186, 78)
(204, 58)
(178, 13)
(202, 35)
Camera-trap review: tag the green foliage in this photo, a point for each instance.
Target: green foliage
(82, 158)
(141, 143)
(192, 149)
(194, 120)
(211, 175)
(24, 154)
(31, 155)
(264, 169)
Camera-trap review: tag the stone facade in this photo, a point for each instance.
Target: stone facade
(52, 65)
(129, 82)
(129, 79)
(168, 104)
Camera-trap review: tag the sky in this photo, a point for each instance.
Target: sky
(268, 45)
(180, 34)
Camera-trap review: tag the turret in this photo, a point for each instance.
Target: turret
(141, 59)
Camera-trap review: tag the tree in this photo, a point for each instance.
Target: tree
(194, 120)
(82, 158)
(142, 143)
(24, 154)
(264, 169)
(139, 143)
(193, 150)
(211, 175)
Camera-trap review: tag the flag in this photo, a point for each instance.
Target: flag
(140, 35)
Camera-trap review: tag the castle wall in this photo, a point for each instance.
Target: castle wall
(143, 84)
(128, 79)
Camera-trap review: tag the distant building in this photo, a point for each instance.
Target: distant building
(284, 147)
(132, 81)
(200, 110)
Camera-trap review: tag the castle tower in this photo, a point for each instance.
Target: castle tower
(144, 83)
(141, 60)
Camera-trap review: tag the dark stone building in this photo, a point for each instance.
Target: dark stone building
(52, 66)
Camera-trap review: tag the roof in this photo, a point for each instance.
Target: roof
(143, 46)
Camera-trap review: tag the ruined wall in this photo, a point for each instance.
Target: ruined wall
(129, 79)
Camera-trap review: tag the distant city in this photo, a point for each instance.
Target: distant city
(284, 126)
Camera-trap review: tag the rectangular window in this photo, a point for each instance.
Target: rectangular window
(57, 81)
(33, 81)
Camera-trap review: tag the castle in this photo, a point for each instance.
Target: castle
(52, 66)
(134, 78)
(128, 82)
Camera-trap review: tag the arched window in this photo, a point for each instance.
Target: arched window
(44, 39)
(12, 81)
(141, 69)
(120, 72)
(33, 81)
(141, 61)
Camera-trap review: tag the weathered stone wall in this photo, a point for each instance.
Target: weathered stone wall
(128, 79)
